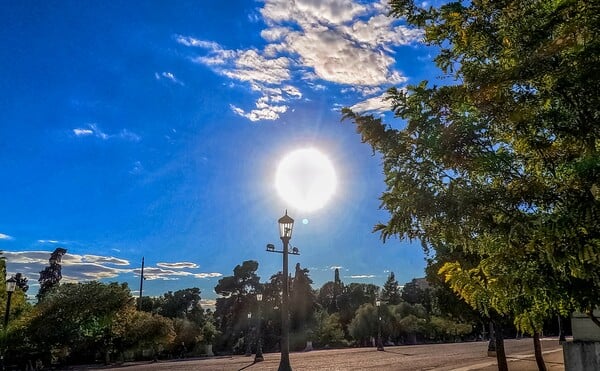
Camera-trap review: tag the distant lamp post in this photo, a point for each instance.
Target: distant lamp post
(379, 341)
(286, 226)
(561, 331)
(11, 284)
(248, 341)
(259, 355)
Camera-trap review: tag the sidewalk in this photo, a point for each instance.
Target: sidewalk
(553, 358)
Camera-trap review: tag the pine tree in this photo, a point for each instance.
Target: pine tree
(391, 290)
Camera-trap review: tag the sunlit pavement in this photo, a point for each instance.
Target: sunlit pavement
(456, 357)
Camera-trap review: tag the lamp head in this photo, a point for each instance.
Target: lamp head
(286, 226)
(11, 284)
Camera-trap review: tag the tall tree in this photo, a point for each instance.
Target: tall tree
(181, 303)
(502, 160)
(237, 300)
(302, 301)
(391, 290)
(51, 275)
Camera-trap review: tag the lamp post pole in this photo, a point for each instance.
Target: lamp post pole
(11, 284)
(248, 337)
(379, 342)
(286, 225)
(284, 364)
(561, 331)
(258, 357)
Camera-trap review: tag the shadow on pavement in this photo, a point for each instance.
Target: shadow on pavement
(250, 365)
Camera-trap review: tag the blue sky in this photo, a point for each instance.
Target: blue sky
(154, 129)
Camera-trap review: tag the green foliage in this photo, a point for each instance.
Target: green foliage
(51, 275)
(79, 318)
(302, 300)
(149, 331)
(238, 299)
(364, 325)
(391, 290)
(501, 162)
(181, 303)
(329, 332)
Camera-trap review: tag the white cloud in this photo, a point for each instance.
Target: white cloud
(374, 104)
(128, 135)
(361, 276)
(48, 241)
(168, 76)
(82, 132)
(343, 42)
(94, 130)
(102, 259)
(5, 237)
(207, 275)
(178, 265)
(137, 168)
(158, 273)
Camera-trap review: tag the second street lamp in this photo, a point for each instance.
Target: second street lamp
(258, 357)
(379, 341)
(286, 226)
(248, 337)
(11, 284)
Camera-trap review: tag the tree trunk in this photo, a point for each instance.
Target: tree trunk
(537, 347)
(500, 354)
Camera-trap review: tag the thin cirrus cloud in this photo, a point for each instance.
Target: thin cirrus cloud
(93, 130)
(87, 267)
(361, 276)
(168, 76)
(179, 265)
(48, 241)
(159, 273)
(5, 237)
(343, 42)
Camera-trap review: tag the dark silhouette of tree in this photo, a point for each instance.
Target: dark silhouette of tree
(238, 299)
(181, 303)
(391, 291)
(302, 301)
(51, 275)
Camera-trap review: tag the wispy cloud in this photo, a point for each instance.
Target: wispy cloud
(77, 268)
(48, 241)
(178, 265)
(5, 237)
(169, 76)
(342, 42)
(93, 130)
(137, 168)
(82, 132)
(207, 275)
(361, 276)
(158, 273)
(374, 104)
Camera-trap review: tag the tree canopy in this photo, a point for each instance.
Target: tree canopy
(501, 159)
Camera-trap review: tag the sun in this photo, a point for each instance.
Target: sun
(305, 179)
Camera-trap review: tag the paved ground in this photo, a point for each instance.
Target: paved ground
(438, 357)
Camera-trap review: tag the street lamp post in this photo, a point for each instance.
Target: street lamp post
(11, 284)
(258, 357)
(248, 342)
(379, 341)
(561, 331)
(286, 226)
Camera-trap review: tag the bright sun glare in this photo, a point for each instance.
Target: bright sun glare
(305, 179)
